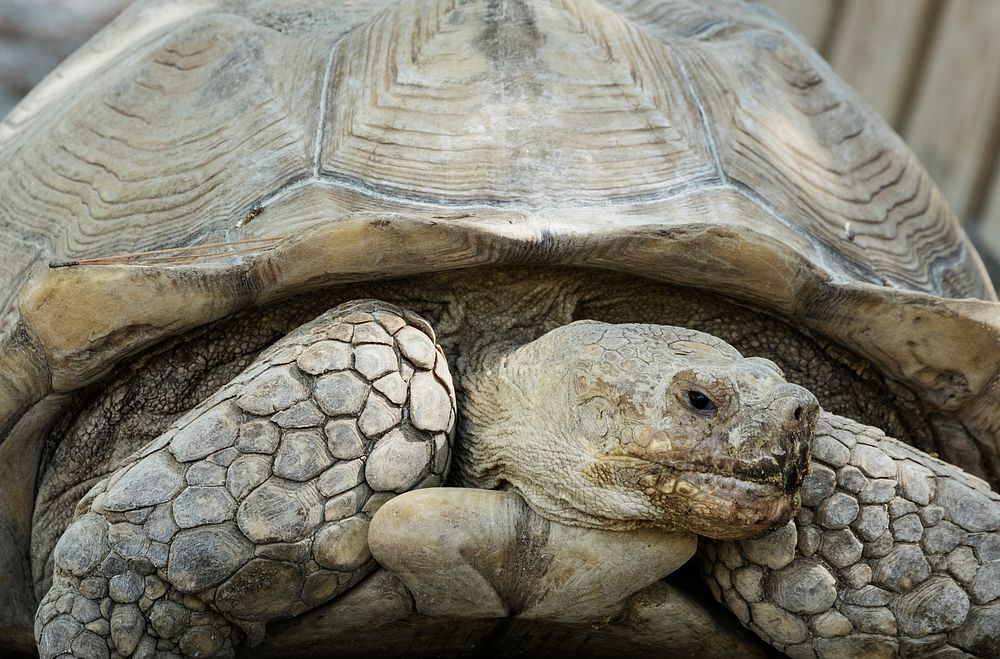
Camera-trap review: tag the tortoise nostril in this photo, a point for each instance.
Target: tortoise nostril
(798, 413)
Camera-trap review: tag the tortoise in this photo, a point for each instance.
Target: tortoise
(621, 269)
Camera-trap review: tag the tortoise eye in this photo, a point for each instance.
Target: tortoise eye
(701, 402)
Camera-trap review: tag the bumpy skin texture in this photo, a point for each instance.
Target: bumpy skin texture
(595, 425)
(256, 504)
(591, 423)
(894, 553)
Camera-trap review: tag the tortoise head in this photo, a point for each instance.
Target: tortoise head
(626, 426)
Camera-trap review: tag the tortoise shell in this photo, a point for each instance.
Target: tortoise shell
(565, 118)
(696, 143)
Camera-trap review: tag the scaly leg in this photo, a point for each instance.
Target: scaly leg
(894, 553)
(255, 505)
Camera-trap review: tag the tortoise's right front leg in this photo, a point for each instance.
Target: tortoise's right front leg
(894, 553)
(255, 505)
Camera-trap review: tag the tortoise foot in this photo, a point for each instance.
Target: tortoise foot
(141, 617)
(469, 553)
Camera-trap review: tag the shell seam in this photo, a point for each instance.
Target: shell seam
(324, 106)
(703, 117)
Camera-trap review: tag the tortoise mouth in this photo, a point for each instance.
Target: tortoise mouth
(712, 503)
(785, 474)
(734, 508)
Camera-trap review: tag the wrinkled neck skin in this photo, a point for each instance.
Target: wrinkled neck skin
(498, 431)
(592, 425)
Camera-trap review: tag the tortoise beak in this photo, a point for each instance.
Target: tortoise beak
(799, 411)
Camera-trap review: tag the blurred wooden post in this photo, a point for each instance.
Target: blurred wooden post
(878, 49)
(813, 19)
(956, 112)
(932, 69)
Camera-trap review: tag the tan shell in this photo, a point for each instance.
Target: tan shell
(699, 143)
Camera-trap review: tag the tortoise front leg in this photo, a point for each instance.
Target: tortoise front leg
(469, 553)
(894, 553)
(255, 506)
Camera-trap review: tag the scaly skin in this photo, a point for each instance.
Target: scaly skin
(256, 504)
(894, 553)
(605, 436)
(593, 424)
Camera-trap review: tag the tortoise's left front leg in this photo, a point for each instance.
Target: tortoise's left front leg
(470, 553)
(894, 553)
